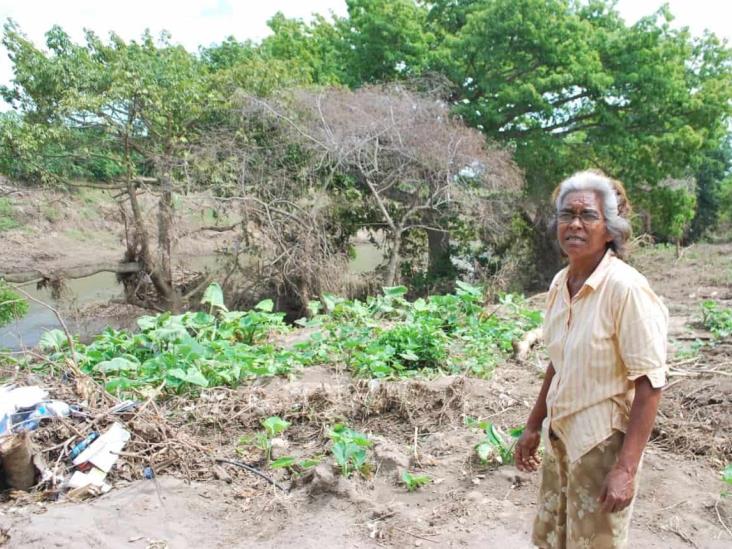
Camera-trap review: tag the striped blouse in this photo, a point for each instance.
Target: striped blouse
(610, 333)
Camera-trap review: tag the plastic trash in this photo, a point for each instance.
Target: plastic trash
(148, 473)
(83, 445)
(104, 451)
(29, 419)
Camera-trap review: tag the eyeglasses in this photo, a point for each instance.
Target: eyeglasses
(587, 217)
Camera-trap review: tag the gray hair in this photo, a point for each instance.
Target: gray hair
(609, 191)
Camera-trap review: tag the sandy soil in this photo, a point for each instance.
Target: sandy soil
(59, 231)
(418, 425)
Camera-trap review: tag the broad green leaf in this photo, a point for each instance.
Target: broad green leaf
(147, 322)
(214, 296)
(283, 462)
(395, 291)
(308, 463)
(266, 306)
(53, 340)
(118, 364)
(274, 425)
(340, 453)
(193, 375)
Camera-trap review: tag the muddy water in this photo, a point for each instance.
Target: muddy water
(26, 332)
(103, 287)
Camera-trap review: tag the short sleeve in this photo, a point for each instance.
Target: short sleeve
(642, 327)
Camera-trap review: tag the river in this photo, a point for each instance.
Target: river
(102, 288)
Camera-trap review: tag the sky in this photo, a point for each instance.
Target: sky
(193, 23)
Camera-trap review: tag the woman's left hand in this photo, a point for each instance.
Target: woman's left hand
(617, 490)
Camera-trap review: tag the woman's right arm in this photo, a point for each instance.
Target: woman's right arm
(525, 454)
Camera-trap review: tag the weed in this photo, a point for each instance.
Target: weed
(496, 445)
(717, 319)
(350, 449)
(692, 350)
(413, 482)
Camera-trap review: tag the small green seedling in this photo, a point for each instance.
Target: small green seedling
(350, 449)
(293, 465)
(496, 444)
(413, 482)
(727, 478)
(273, 426)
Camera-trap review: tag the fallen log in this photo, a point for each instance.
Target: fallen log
(71, 273)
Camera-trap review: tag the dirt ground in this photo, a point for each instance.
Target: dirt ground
(59, 231)
(419, 425)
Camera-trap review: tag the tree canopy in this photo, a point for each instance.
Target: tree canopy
(561, 84)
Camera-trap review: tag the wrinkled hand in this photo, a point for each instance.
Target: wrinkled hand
(617, 490)
(526, 453)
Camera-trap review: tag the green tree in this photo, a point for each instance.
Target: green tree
(384, 40)
(147, 101)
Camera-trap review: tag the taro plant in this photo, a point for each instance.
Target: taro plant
(496, 445)
(350, 449)
(273, 426)
(414, 481)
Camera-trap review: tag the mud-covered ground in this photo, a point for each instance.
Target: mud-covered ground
(419, 425)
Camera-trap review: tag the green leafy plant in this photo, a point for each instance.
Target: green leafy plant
(273, 426)
(727, 478)
(496, 446)
(414, 482)
(350, 449)
(294, 465)
(12, 305)
(717, 319)
(384, 336)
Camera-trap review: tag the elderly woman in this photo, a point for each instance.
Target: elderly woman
(605, 332)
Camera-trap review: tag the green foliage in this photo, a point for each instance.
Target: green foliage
(53, 341)
(293, 465)
(571, 85)
(496, 446)
(671, 206)
(414, 482)
(12, 305)
(350, 449)
(727, 474)
(717, 319)
(273, 426)
(387, 336)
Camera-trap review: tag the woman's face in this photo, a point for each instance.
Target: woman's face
(581, 229)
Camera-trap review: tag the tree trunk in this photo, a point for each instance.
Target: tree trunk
(440, 266)
(394, 258)
(162, 284)
(165, 238)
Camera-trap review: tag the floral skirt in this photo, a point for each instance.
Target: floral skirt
(569, 514)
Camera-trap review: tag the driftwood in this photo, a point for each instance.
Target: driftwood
(74, 272)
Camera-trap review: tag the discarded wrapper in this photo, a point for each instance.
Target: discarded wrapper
(103, 452)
